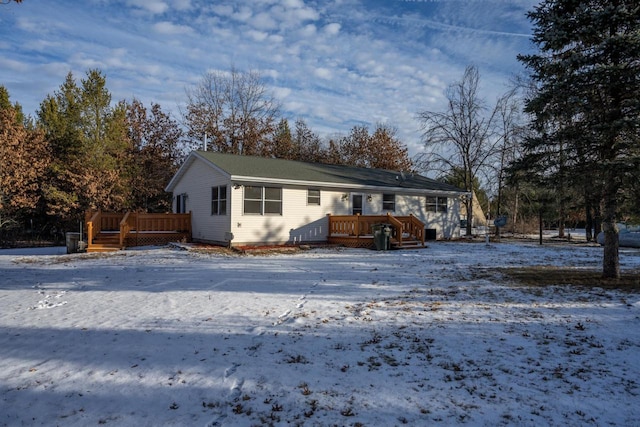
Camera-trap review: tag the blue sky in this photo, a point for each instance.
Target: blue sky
(334, 63)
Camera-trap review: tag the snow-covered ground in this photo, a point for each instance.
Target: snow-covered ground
(320, 337)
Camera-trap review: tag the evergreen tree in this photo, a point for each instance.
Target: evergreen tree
(587, 97)
(307, 144)
(60, 117)
(281, 145)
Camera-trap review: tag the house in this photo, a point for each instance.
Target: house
(244, 200)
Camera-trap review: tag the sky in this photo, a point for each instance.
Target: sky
(336, 63)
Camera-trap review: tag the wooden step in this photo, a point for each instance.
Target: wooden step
(105, 242)
(407, 244)
(103, 248)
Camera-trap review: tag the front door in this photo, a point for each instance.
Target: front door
(356, 204)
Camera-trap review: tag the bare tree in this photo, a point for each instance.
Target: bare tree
(510, 130)
(232, 110)
(462, 136)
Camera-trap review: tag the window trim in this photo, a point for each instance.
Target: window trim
(310, 197)
(262, 201)
(181, 203)
(219, 203)
(441, 204)
(389, 205)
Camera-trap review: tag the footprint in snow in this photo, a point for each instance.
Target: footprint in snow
(231, 370)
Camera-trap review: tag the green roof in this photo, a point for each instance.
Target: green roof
(247, 167)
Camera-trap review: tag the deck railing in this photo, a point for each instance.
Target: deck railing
(126, 224)
(361, 226)
(130, 225)
(93, 221)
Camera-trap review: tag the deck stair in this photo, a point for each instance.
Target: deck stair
(406, 244)
(111, 231)
(357, 230)
(105, 242)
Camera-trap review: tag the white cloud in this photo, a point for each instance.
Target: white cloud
(323, 73)
(257, 35)
(182, 4)
(169, 28)
(243, 14)
(153, 6)
(308, 30)
(222, 9)
(13, 65)
(332, 29)
(264, 21)
(281, 93)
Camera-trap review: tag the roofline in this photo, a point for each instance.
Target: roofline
(188, 161)
(254, 179)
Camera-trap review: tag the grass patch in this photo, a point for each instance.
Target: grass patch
(548, 276)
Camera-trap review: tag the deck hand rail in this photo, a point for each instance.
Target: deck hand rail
(94, 226)
(416, 228)
(126, 224)
(398, 226)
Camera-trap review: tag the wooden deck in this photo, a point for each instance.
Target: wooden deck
(108, 231)
(356, 231)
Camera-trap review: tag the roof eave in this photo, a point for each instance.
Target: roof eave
(187, 163)
(240, 179)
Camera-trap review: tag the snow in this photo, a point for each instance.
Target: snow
(320, 337)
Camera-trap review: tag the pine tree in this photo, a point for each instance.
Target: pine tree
(60, 117)
(281, 145)
(587, 96)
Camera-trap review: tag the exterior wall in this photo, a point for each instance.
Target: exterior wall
(196, 183)
(299, 222)
(446, 224)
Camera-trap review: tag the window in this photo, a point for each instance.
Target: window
(262, 200)
(389, 202)
(181, 203)
(253, 200)
(313, 197)
(272, 200)
(219, 200)
(436, 204)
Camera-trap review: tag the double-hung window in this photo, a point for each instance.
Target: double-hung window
(313, 197)
(219, 200)
(389, 202)
(262, 200)
(436, 204)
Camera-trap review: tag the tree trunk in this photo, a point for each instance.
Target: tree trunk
(540, 225)
(588, 226)
(515, 212)
(597, 221)
(611, 261)
(469, 206)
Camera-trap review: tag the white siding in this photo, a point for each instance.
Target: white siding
(299, 222)
(196, 183)
(446, 224)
